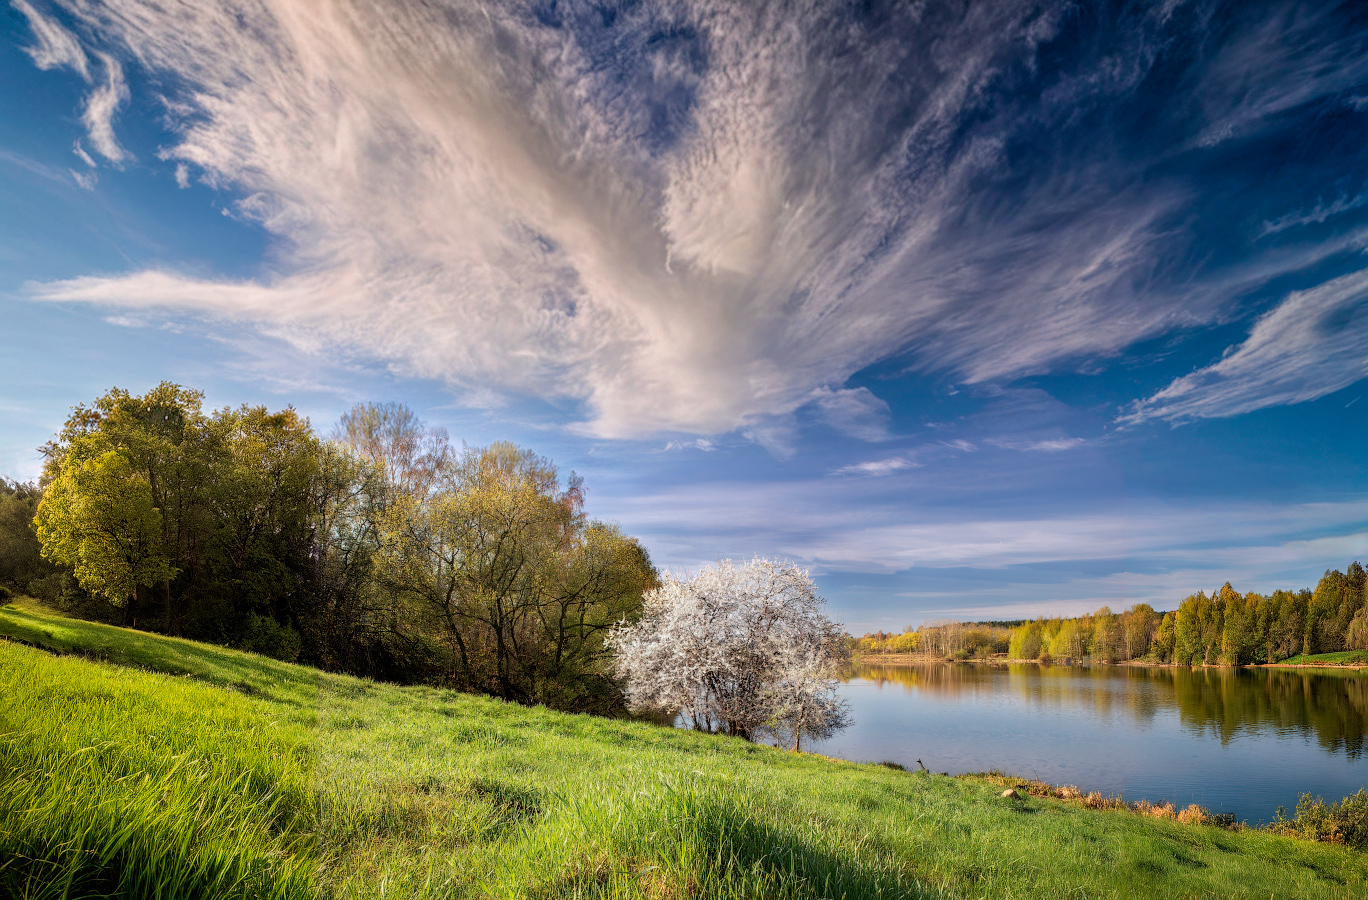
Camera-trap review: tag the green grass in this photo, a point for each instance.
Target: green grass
(138, 766)
(1342, 658)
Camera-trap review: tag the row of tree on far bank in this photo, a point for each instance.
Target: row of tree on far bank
(1223, 628)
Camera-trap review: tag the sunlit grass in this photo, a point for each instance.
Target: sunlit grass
(1341, 658)
(123, 777)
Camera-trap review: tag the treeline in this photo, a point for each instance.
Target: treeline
(381, 550)
(1225, 628)
(940, 640)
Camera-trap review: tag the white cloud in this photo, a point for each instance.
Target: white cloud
(690, 233)
(860, 525)
(1276, 64)
(82, 155)
(1313, 343)
(702, 444)
(1048, 445)
(879, 466)
(471, 196)
(853, 411)
(85, 180)
(57, 47)
(1316, 216)
(100, 108)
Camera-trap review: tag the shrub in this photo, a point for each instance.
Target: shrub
(1345, 822)
(262, 634)
(1194, 815)
(1155, 810)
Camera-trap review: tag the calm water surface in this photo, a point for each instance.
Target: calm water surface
(1236, 741)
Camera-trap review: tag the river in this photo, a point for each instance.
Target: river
(1242, 741)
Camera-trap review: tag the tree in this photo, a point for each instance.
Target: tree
(1138, 625)
(1071, 640)
(22, 564)
(98, 518)
(1026, 641)
(1165, 638)
(410, 455)
(1356, 635)
(743, 649)
(513, 579)
(1107, 636)
(159, 436)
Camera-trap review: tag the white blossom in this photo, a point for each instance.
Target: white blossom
(743, 649)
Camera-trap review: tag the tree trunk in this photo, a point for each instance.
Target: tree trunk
(166, 586)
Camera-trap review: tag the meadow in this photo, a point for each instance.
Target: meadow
(135, 765)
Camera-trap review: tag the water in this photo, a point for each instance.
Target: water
(1233, 740)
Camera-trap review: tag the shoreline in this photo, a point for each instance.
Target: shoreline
(907, 659)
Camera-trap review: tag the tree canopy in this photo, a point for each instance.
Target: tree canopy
(382, 550)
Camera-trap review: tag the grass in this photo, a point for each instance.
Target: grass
(133, 765)
(1342, 658)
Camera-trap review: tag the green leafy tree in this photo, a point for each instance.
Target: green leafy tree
(22, 565)
(1026, 641)
(98, 517)
(1138, 625)
(1070, 640)
(1240, 637)
(513, 580)
(1356, 635)
(159, 434)
(1189, 623)
(1163, 648)
(1107, 636)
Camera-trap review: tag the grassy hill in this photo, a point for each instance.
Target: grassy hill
(137, 766)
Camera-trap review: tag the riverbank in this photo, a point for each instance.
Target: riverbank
(134, 763)
(1350, 659)
(909, 659)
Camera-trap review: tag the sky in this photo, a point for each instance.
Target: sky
(977, 310)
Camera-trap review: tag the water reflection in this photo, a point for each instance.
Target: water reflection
(1330, 705)
(1236, 740)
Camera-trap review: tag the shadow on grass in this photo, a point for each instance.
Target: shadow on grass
(233, 669)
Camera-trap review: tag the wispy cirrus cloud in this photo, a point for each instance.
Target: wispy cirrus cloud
(814, 522)
(1044, 445)
(691, 216)
(100, 108)
(1317, 215)
(1313, 343)
(55, 47)
(58, 48)
(879, 467)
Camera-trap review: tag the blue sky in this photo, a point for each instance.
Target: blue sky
(986, 310)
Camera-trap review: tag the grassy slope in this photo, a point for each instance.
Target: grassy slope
(1342, 658)
(257, 778)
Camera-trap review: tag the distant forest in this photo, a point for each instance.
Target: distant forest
(379, 550)
(1225, 628)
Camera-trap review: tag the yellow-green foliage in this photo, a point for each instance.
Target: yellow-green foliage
(1026, 641)
(1345, 822)
(253, 777)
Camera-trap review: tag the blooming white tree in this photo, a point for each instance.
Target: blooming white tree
(743, 649)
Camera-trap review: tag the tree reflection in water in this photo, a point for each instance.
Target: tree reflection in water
(1329, 704)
